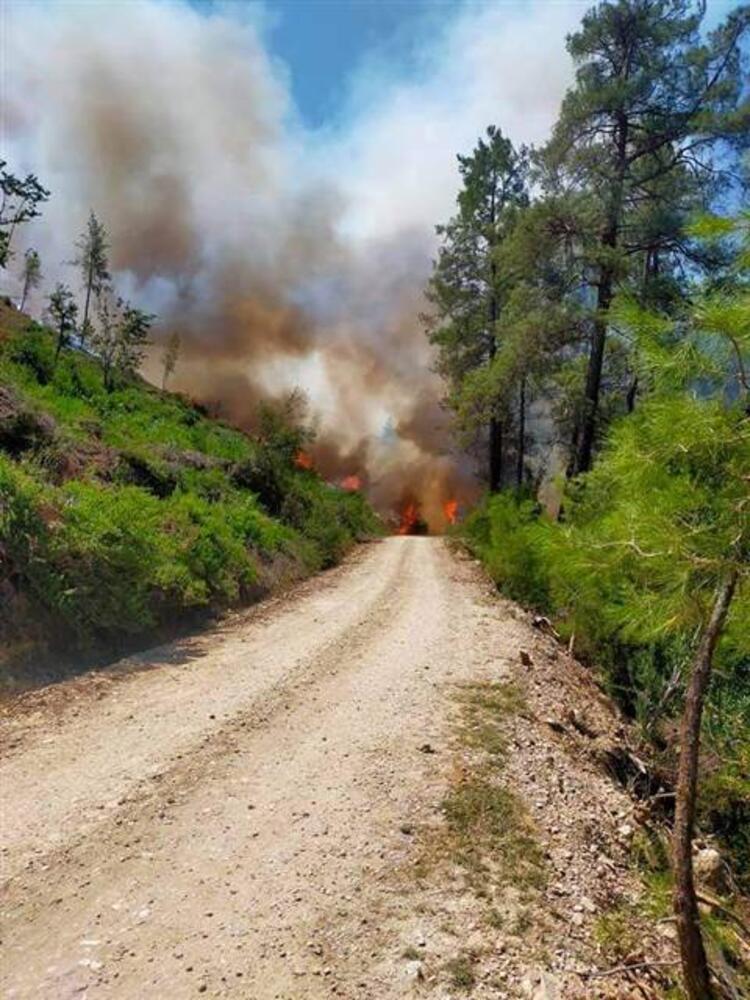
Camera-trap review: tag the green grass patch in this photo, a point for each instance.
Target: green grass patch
(484, 709)
(460, 972)
(618, 932)
(489, 833)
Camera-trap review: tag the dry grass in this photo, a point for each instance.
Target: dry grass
(486, 830)
(485, 842)
(488, 833)
(484, 709)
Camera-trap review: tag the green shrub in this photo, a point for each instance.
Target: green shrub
(112, 556)
(116, 559)
(648, 535)
(34, 350)
(509, 535)
(24, 536)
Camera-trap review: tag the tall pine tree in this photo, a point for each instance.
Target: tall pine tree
(638, 129)
(466, 289)
(93, 261)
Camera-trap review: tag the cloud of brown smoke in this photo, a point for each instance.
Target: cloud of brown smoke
(282, 258)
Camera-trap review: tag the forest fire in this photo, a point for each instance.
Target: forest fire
(351, 483)
(303, 461)
(411, 520)
(450, 509)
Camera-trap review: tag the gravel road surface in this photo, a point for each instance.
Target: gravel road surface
(220, 816)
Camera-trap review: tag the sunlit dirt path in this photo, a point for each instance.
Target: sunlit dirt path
(225, 823)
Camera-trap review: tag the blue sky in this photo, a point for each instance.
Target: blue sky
(324, 44)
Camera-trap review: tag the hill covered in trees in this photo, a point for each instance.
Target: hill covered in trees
(126, 510)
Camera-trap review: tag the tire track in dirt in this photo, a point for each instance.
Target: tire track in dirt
(103, 755)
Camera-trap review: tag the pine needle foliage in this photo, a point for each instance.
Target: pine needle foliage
(648, 535)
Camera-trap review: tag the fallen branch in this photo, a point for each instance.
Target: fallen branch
(601, 973)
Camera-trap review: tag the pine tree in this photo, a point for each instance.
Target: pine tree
(725, 317)
(92, 259)
(465, 290)
(541, 270)
(63, 312)
(664, 527)
(649, 104)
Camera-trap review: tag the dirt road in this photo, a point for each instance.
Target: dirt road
(226, 822)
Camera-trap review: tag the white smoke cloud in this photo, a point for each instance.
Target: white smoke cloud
(499, 63)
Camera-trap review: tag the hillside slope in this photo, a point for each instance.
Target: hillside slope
(124, 513)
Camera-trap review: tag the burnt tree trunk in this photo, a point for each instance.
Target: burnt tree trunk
(695, 970)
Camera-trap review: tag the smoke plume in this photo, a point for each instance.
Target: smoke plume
(282, 257)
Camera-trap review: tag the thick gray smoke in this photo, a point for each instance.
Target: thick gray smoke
(282, 257)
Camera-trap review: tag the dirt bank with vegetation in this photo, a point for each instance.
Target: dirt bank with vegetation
(126, 512)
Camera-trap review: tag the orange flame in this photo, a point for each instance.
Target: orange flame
(351, 483)
(409, 518)
(450, 509)
(303, 461)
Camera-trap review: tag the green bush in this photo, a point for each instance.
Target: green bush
(35, 351)
(329, 517)
(24, 535)
(512, 539)
(648, 536)
(116, 559)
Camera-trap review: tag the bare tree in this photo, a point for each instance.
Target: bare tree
(32, 274)
(133, 334)
(104, 339)
(121, 339)
(169, 358)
